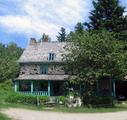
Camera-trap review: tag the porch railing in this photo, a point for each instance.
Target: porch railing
(38, 93)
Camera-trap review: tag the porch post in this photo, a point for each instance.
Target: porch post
(16, 86)
(31, 86)
(48, 88)
(114, 90)
(80, 89)
(97, 91)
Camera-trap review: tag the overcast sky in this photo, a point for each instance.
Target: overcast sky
(22, 19)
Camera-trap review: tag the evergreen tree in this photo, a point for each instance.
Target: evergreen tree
(62, 35)
(108, 15)
(79, 28)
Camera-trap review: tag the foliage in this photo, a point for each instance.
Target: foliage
(45, 38)
(8, 61)
(108, 15)
(25, 99)
(62, 35)
(43, 99)
(79, 28)
(98, 101)
(6, 86)
(61, 99)
(95, 56)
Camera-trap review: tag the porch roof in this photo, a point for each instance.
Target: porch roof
(43, 77)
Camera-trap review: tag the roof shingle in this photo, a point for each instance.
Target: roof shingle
(39, 52)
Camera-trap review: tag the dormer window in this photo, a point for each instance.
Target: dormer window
(52, 56)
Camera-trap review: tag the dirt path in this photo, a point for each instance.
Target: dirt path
(23, 114)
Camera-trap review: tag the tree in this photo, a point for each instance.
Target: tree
(79, 28)
(108, 15)
(62, 35)
(93, 57)
(45, 38)
(9, 55)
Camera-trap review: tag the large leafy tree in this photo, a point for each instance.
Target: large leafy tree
(108, 15)
(95, 56)
(9, 66)
(62, 35)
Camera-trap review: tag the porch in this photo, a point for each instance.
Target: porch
(39, 88)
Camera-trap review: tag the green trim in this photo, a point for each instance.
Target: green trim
(31, 86)
(114, 88)
(16, 86)
(49, 86)
(97, 91)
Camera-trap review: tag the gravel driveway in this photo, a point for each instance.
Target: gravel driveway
(23, 114)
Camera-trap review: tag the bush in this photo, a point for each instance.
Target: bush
(43, 99)
(6, 86)
(61, 99)
(25, 99)
(96, 101)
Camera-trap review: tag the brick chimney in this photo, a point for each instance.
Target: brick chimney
(33, 41)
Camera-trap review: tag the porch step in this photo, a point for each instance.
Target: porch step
(52, 101)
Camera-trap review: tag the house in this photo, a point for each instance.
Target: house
(42, 69)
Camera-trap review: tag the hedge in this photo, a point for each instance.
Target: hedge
(25, 99)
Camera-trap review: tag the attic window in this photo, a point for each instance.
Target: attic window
(52, 56)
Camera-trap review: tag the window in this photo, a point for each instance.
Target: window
(52, 56)
(44, 69)
(41, 86)
(24, 86)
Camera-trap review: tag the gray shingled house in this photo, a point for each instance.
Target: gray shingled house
(42, 71)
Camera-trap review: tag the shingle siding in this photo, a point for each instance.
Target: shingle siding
(36, 55)
(39, 52)
(36, 69)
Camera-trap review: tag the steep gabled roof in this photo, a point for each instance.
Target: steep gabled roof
(39, 52)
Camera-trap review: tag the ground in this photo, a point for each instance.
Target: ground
(23, 114)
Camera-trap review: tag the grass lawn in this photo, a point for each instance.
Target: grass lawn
(89, 110)
(117, 108)
(5, 105)
(4, 117)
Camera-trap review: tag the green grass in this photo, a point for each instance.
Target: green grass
(4, 117)
(89, 110)
(27, 106)
(65, 109)
(118, 107)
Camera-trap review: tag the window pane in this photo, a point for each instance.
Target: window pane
(24, 86)
(44, 69)
(41, 86)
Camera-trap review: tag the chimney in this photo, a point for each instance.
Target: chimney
(33, 41)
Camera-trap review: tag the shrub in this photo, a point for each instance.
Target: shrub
(97, 101)
(25, 99)
(6, 86)
(61, 99)
(43, 99)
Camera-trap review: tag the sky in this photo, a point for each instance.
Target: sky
(22, 19)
